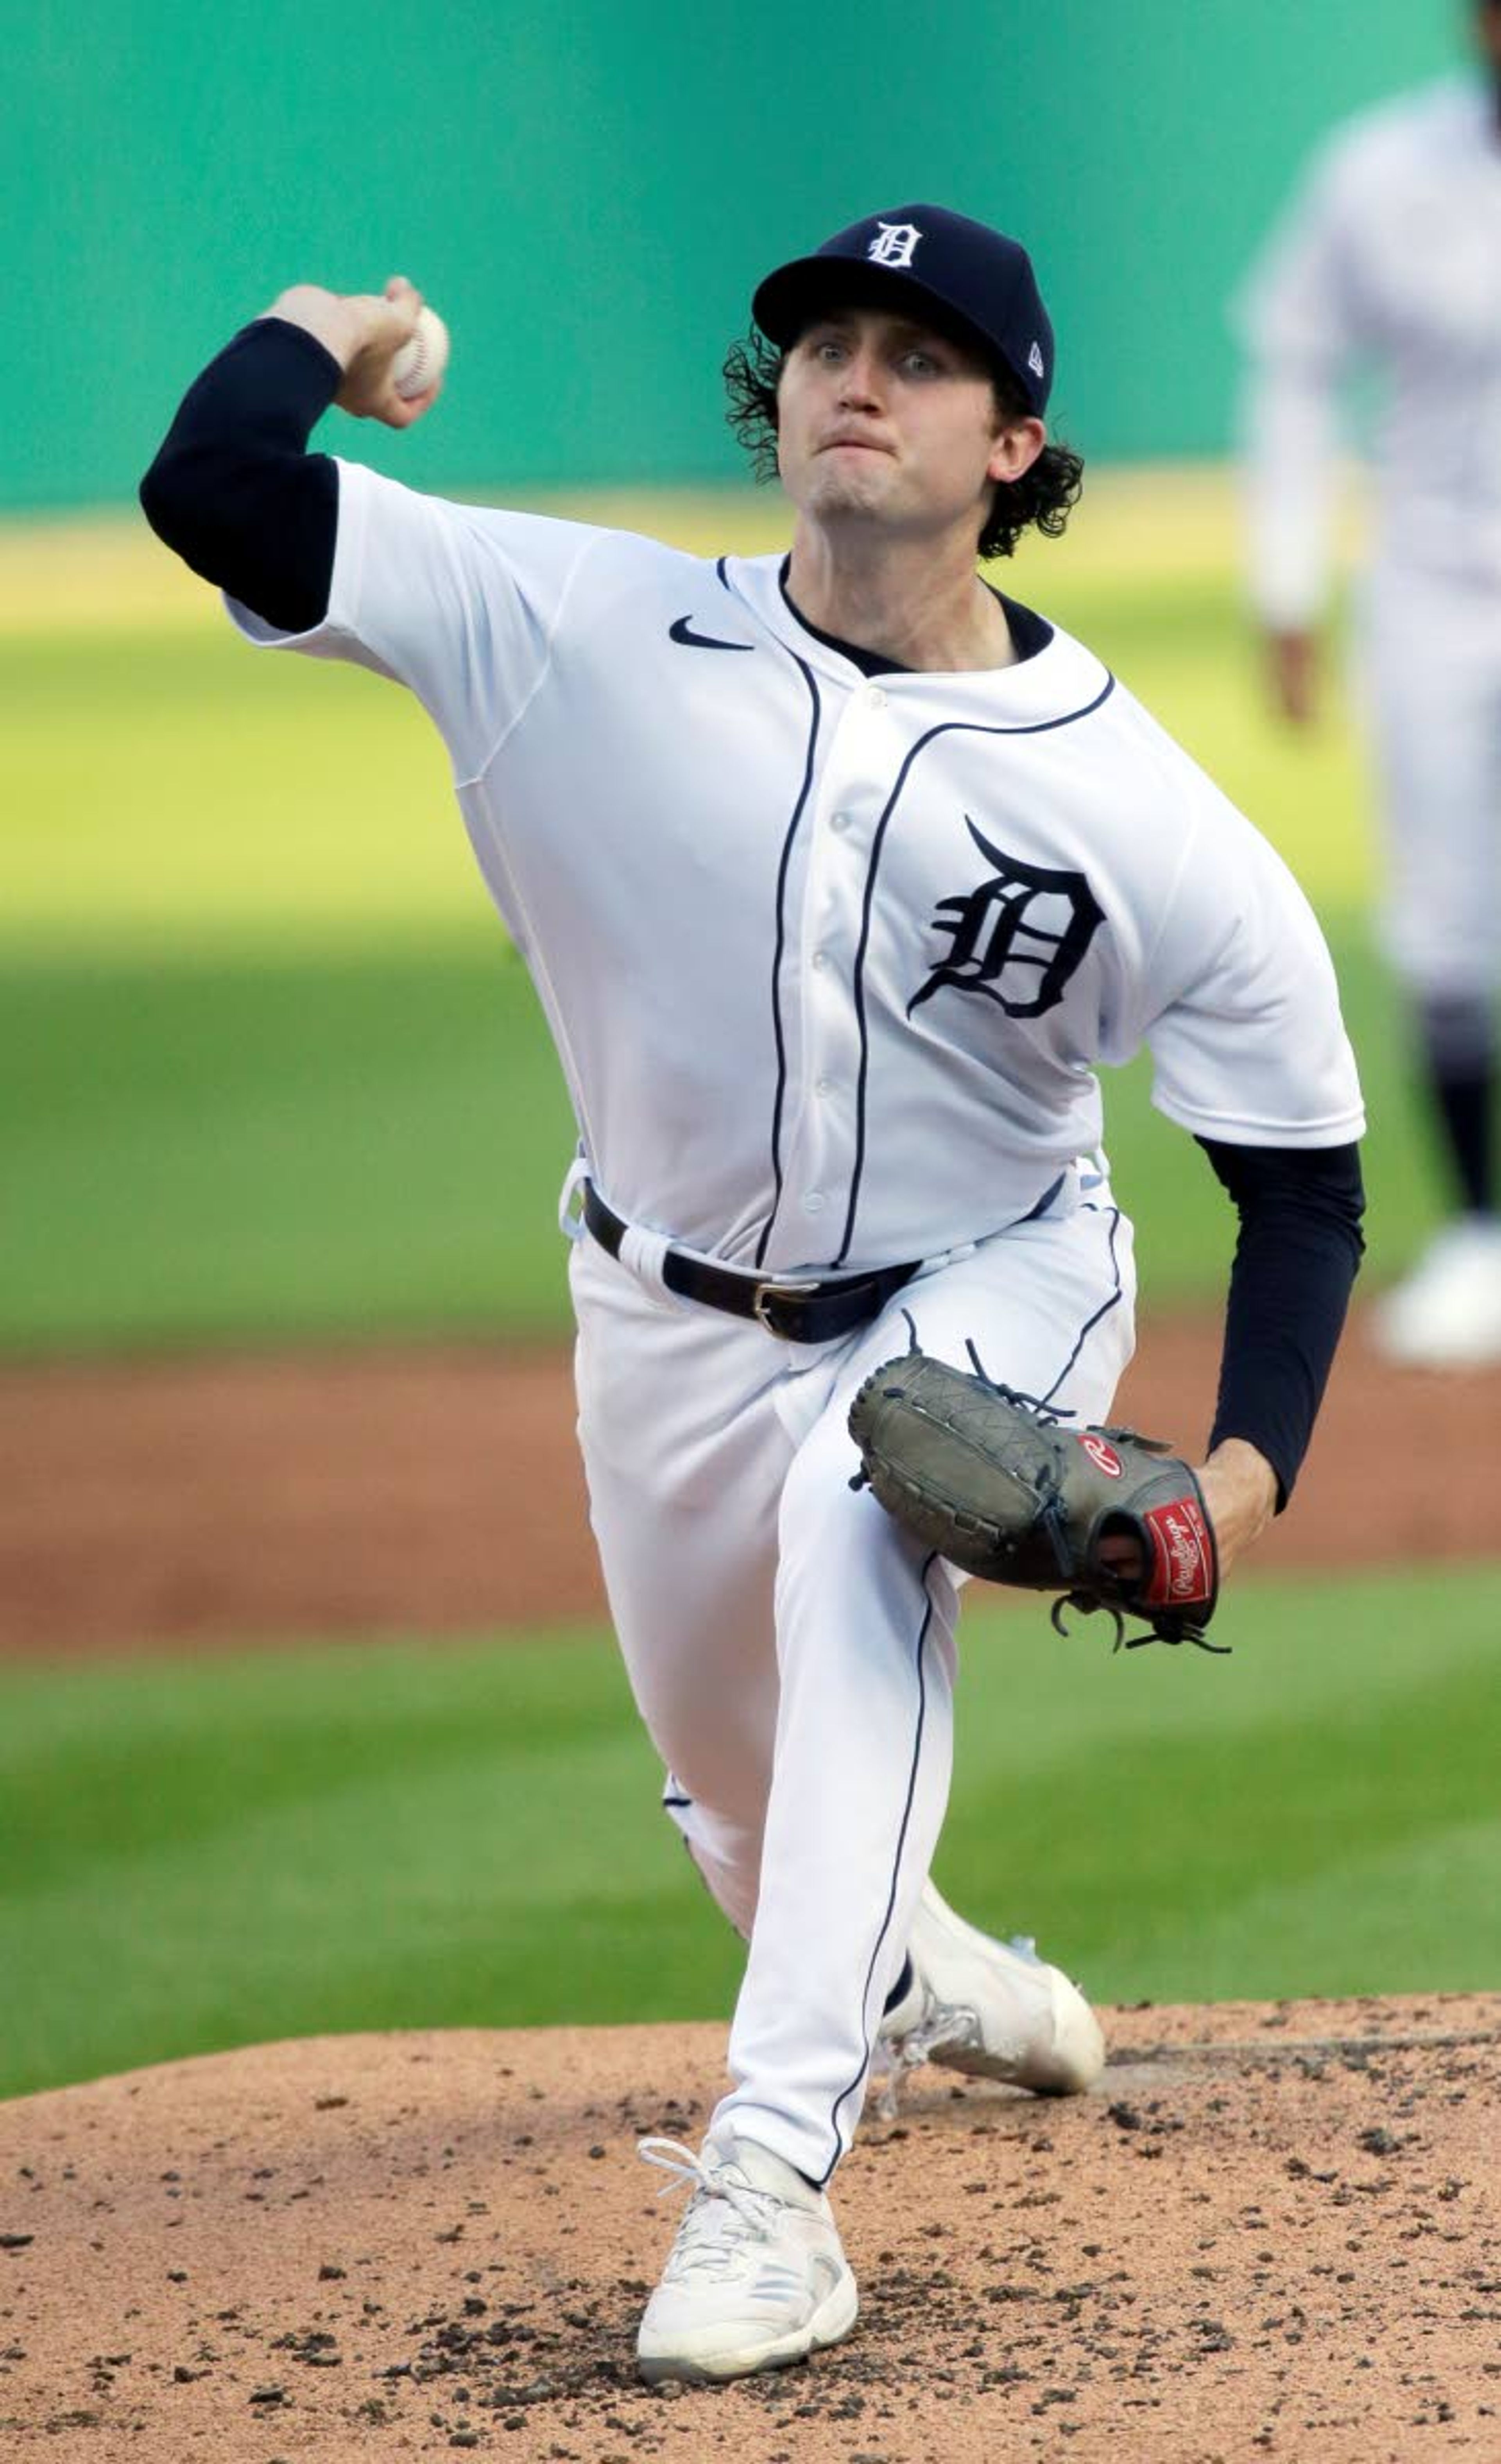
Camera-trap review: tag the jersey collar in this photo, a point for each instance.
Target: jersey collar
(1030, 632)
(1054, 676)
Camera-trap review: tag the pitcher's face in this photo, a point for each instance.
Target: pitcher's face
(883, 420)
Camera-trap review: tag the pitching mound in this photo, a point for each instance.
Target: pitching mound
(1274, 2231)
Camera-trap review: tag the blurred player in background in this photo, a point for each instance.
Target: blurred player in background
(1389, 262)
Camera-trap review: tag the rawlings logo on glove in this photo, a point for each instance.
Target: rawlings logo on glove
(992, 1481)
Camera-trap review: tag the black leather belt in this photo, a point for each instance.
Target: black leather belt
(800, 1308)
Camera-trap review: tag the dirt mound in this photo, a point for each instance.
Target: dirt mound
(1273, 2231)
(224, 1500)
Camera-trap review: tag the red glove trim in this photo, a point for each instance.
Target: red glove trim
(1183, 1571)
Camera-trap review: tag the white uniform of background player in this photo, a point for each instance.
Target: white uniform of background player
(1389, 261)
(831, 960)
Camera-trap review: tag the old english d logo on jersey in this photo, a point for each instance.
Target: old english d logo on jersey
(1017, 938)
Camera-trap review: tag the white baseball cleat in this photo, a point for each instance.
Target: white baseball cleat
(1447, 1314)
(992, 2009)
(756, 2276)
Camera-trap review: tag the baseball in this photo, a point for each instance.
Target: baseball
(420, 363)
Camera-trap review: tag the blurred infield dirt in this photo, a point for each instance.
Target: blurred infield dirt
(1270, 2233)
(227, 1500)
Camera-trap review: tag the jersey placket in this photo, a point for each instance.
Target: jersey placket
(822, 1149)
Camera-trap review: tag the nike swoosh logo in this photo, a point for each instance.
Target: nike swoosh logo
(682, 632)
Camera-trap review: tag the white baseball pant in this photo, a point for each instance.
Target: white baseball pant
(1429, 678)
(790, 1648)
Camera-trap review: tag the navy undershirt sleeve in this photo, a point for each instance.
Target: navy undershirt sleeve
(1296, 1260)
(234, 490)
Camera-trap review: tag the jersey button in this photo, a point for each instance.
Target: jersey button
(823, 1085)
(821, 960)
(875, 697)
(840, 821)
(812, 1202)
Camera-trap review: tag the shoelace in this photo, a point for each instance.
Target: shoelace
(699, 2244)
(944, 2025)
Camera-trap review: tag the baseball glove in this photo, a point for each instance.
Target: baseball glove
(992, 1480)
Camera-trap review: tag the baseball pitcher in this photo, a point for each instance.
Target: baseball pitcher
(839, 875)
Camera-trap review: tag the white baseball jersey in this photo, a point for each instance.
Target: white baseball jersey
(830, 963)
(1390, 259)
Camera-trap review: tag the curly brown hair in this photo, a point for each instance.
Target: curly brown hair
(1041, 500)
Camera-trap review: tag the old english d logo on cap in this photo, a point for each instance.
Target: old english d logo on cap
(893, 244)
(928, 261)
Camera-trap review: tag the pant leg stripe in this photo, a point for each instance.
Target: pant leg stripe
(1103, 1311)
(920, 1670)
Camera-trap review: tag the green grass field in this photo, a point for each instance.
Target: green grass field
(347, 1146)
(199, 1857)
(268, 1069)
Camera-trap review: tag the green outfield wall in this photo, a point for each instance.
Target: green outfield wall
(589, 190)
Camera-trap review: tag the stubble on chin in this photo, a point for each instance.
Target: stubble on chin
(848, 486)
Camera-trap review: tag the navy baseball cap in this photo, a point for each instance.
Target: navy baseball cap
(980, 281)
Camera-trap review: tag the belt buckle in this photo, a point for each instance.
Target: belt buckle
(768, 1294)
